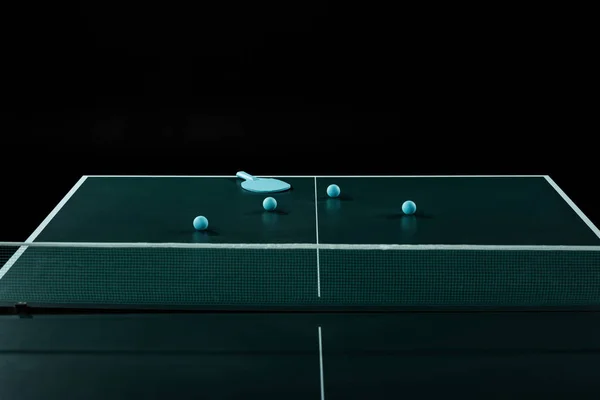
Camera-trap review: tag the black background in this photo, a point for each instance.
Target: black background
(320, 87)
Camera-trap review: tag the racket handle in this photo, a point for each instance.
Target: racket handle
(245, 176)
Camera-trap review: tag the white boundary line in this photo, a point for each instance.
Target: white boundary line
(317, 239)
(6, 267)
(319, 176)
(321, 373)
(301, 246)
(570, 202)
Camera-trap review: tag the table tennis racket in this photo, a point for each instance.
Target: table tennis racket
(262, 185)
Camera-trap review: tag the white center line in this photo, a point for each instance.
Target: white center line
(321, 365)
(317, 238)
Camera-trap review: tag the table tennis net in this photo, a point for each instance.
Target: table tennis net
(296, 276)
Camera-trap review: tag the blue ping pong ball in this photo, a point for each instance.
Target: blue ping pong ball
(409, 207)
(333, 190)
(200, 223)
(269, 204)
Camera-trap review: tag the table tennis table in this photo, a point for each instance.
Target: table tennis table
(344, 265)
(474, 241)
